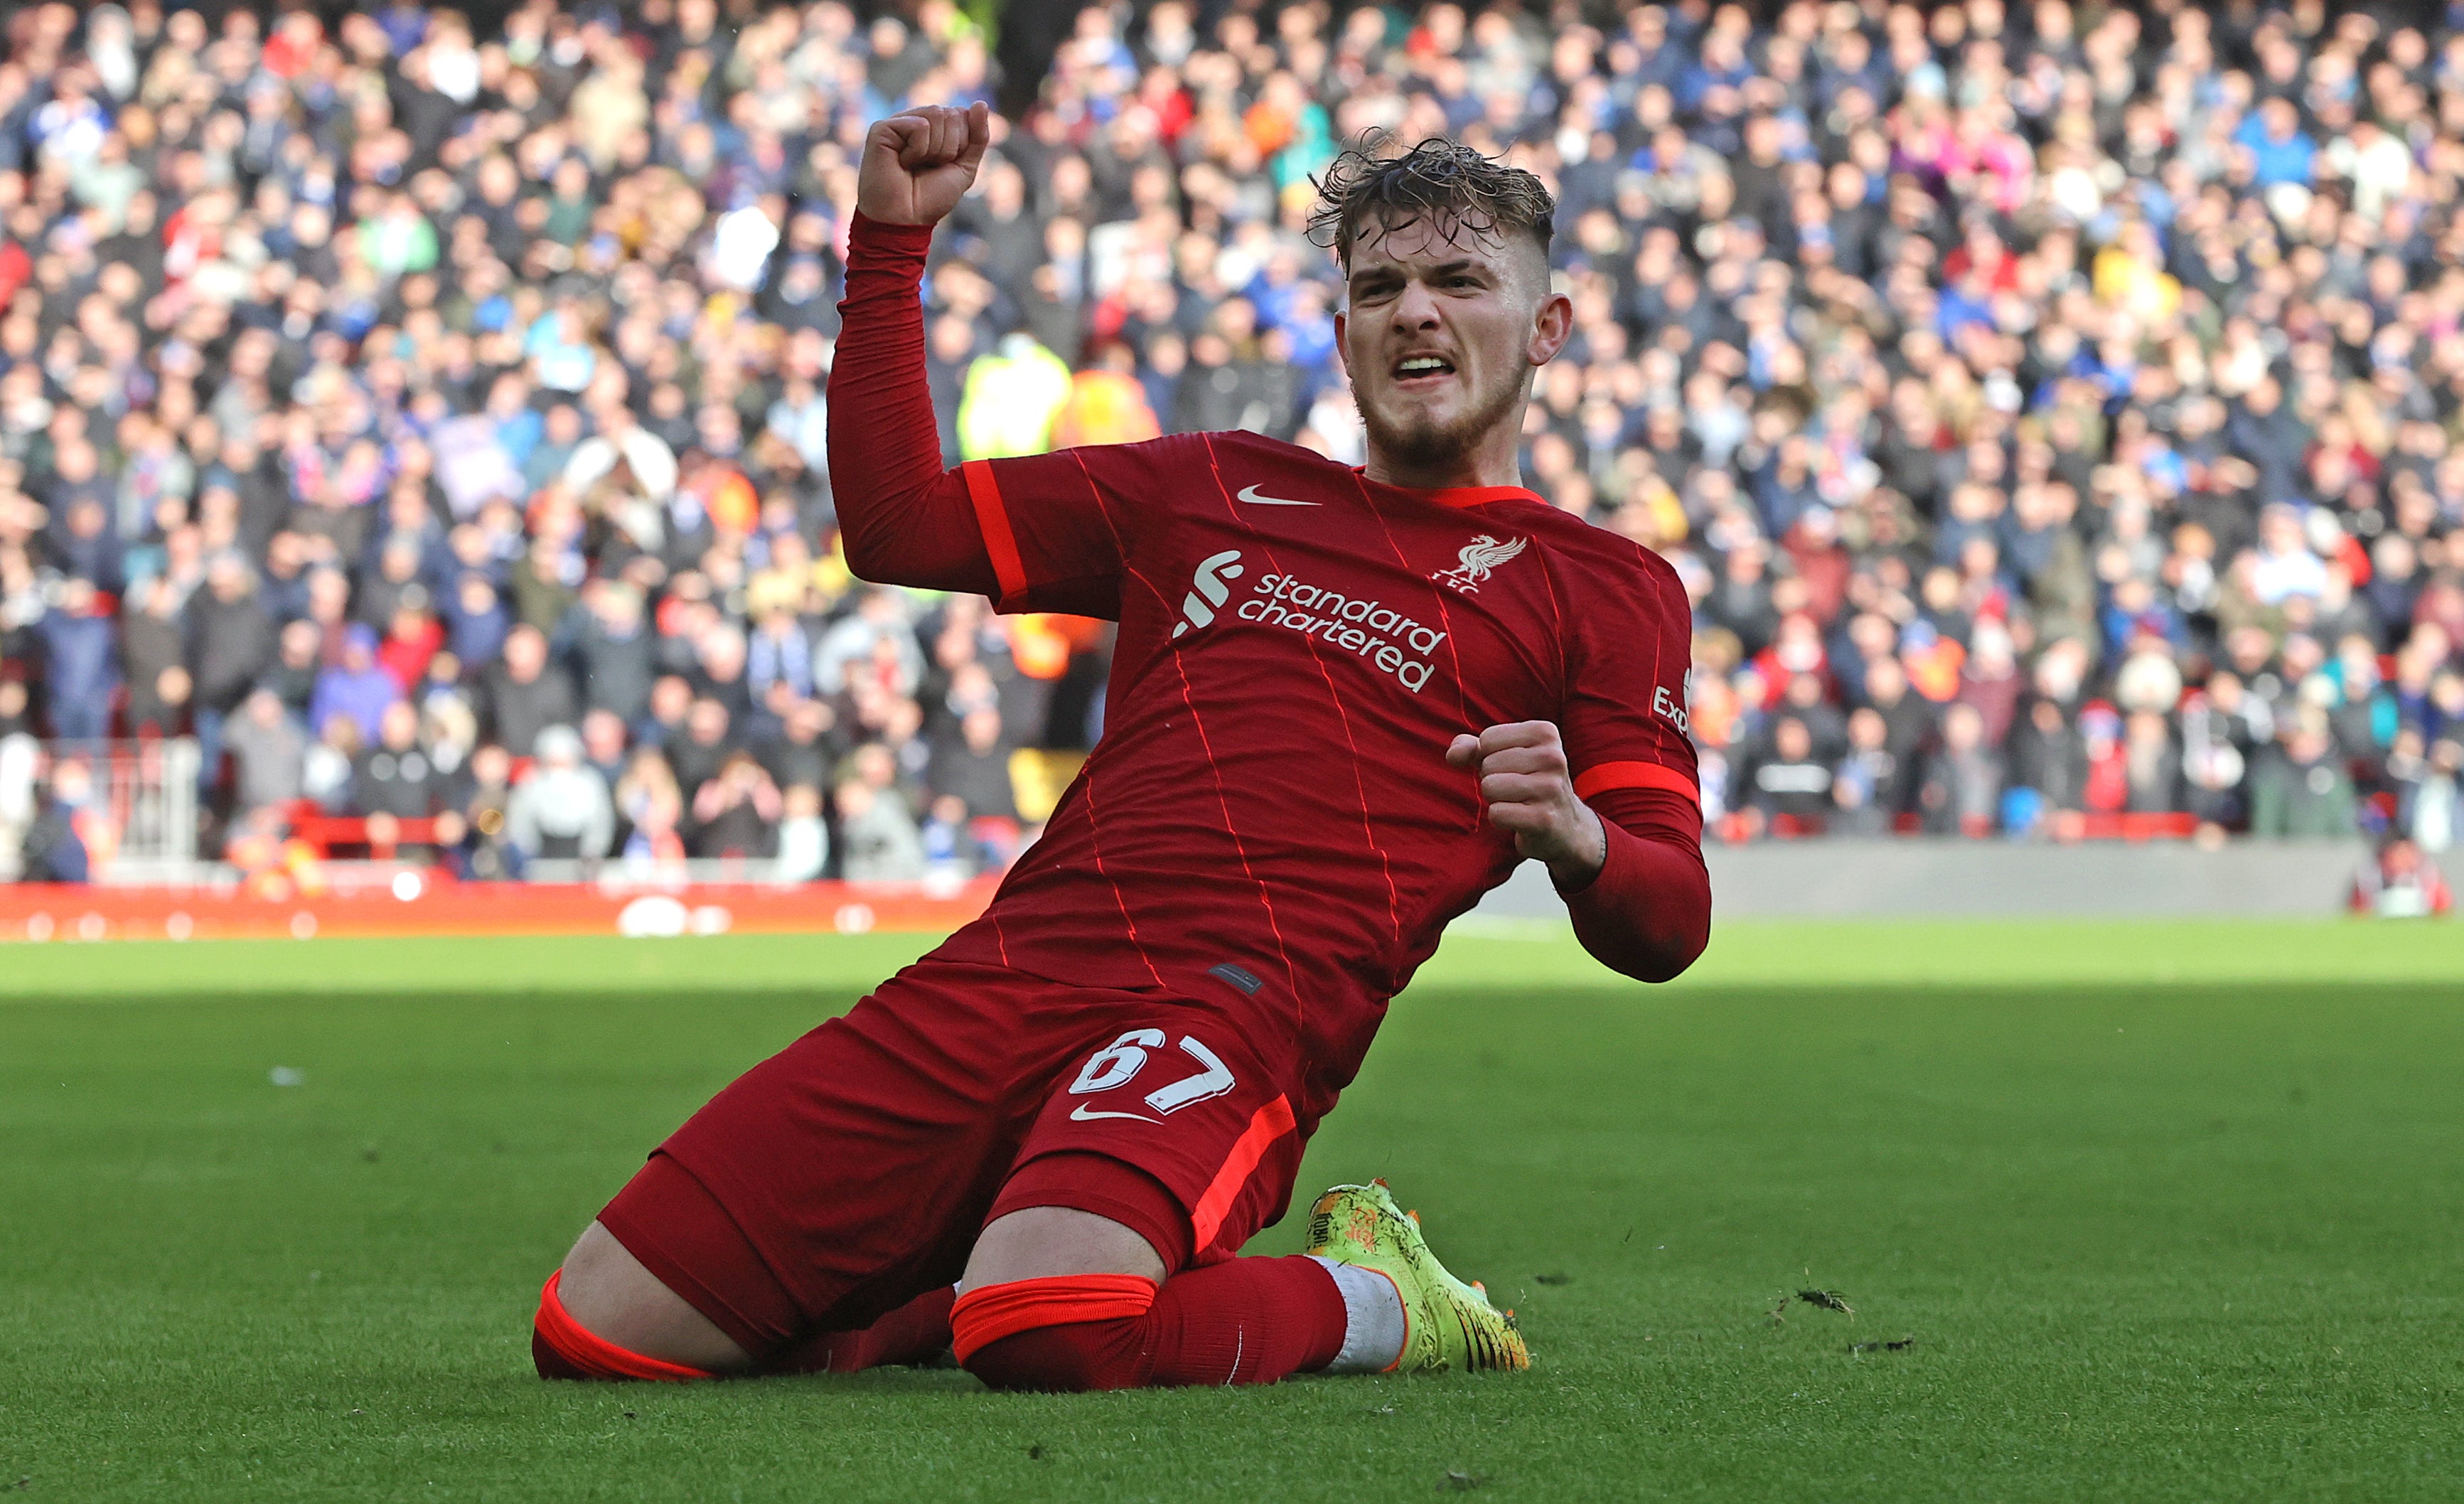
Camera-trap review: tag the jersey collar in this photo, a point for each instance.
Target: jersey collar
(1458, 495)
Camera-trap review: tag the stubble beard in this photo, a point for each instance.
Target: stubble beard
(1423, 443)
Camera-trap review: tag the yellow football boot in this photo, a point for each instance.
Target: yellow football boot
(1448, 1324)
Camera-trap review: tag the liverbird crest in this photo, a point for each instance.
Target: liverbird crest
(1478, 560)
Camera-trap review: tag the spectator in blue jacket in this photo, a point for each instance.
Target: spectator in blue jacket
(81, 669)
(2278, 149)
(355, 687)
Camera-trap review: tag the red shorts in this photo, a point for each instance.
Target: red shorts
(852, 1172)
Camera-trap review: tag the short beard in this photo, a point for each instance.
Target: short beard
(1424, 445)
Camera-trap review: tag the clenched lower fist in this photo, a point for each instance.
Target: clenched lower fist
(1531, 791)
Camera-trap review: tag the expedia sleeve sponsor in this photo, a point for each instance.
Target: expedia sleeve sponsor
(1373, 631)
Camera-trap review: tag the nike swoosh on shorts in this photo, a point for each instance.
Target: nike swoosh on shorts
(1083, 1113)
(1249, 494)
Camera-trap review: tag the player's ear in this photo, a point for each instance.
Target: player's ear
(1551, 328)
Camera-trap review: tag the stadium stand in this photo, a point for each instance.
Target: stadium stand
(2053, 412)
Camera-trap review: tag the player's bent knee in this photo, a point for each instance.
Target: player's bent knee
(603, 1315)
(563, 1348)
(1069, 1331)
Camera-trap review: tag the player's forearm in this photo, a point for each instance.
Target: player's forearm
(902, 519)
(1648, 912)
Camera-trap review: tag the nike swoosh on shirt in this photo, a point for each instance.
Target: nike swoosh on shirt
(1249, 494)
(1086, 1113)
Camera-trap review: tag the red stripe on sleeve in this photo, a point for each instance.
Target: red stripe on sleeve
(1001, 545)
(1634, 775)
(1267, 1124)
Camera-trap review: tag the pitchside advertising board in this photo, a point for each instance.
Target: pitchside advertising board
(51, 914)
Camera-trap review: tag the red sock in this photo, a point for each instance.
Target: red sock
(1248, 1321)
(915, 1332)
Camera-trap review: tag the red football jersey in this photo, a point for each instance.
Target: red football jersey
(1298, 646)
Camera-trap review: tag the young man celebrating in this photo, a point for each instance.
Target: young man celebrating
(1344, 704)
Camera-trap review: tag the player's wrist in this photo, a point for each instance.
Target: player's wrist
(885, 210)
(868, 229)
(1582, 854)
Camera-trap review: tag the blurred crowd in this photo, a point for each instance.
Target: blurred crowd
(2053, 412)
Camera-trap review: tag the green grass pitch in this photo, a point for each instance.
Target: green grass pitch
(2164, 1212)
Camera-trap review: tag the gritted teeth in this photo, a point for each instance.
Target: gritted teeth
(1421, 365)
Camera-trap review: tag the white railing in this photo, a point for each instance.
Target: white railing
(136, 809)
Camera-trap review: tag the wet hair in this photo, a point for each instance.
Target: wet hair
(1459, 190)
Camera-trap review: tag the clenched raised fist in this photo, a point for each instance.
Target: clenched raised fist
(919, 164)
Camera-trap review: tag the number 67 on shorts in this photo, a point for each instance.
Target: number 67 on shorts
(1119, 1062)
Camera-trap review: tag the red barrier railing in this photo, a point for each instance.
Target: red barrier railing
(409, 902)
(381, 836)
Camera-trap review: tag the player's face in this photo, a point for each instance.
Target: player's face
(1441, 336)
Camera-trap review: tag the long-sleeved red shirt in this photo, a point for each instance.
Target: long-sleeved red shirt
(1298, 645)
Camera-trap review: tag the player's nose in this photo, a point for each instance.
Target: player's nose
(1416, 308)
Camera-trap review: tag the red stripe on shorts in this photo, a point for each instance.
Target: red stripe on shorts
(1267, 1124)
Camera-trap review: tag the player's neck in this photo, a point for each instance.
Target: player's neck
(1495, 461)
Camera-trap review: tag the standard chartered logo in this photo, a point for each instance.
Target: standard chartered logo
(1379, 635)
(1208, 589)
